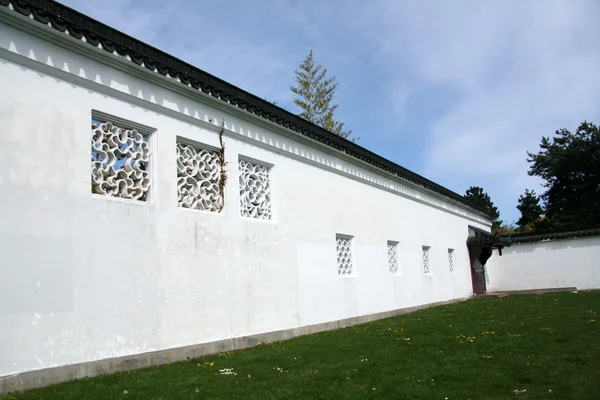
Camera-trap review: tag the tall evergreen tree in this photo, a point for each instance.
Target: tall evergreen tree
(478, 197)
(530, 208)
(570, 165)
(315, 96)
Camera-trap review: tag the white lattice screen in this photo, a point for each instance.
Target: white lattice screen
(344, 254)
(426, 262)
(198, 178)
(255, 190)
(120, 160)
(392, 250)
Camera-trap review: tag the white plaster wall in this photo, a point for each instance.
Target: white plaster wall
(85, 277)
(546, 264)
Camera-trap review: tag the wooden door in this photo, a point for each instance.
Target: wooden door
(478, 256)
(478, 277)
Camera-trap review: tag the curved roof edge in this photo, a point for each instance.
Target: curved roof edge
(97, 34)
(480, 237)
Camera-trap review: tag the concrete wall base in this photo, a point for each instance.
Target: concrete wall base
(50, 376)
(541, 291)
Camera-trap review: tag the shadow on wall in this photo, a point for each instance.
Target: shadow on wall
(88, 69)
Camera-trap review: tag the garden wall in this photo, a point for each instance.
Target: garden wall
(163, 254)
(547, 263)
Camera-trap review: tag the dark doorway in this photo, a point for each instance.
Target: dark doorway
(480, 244)
(478, 256)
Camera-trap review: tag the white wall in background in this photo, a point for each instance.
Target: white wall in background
(546, 264)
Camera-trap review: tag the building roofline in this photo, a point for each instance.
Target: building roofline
(555, 234)
(97, 34)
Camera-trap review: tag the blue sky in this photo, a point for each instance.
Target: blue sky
(457, 91)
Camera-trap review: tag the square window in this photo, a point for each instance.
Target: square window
(255, 190)
(198, 178)
(451, 260)
(344, 254)
(392, 250)
(426, 264)
(120, 158)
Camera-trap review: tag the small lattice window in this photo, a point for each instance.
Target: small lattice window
(451, 260)
(344, 254)
(426, 263)
(392, 250)
(255, 190)
(198, 178)
(120, 159)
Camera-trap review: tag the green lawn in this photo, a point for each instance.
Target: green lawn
(521, 347)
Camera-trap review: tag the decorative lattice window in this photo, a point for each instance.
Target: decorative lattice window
(198, 178)
(392, 250)
(343, 245)
(120, 159)
(426, 264)
(255, 190)
(451, 260)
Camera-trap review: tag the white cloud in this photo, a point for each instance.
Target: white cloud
(129, 16)
(520, 70)
(226, 39)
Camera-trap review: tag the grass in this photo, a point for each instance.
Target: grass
(521, 347)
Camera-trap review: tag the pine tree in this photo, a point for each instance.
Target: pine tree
(478, 197)
(315, 95)
(531, 210)
(568, 162)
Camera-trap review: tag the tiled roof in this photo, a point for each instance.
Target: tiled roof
(479, 237)
(556, 234)
(82, 27)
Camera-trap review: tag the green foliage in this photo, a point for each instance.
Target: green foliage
(505, 229)
(543, 224)
(478, 197)
(541, 347)
(570, 165)
(315, 96)
(530, 208)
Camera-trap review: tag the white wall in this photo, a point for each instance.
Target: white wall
(85, 277)
(546, 264)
